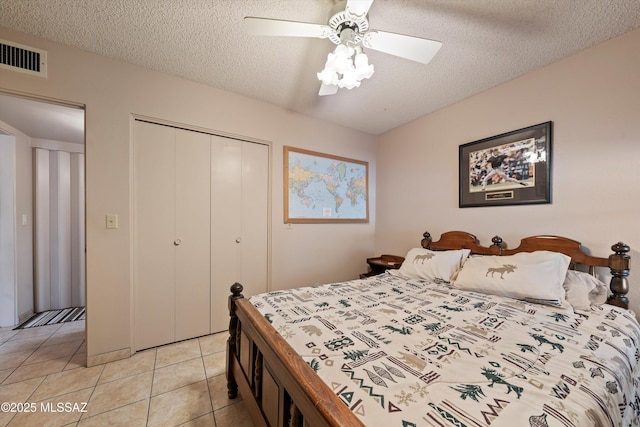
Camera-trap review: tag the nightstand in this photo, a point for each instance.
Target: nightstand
(381, 264)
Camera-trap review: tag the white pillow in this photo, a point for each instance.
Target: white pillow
(530, 276)
(583, 290)
(424, 264)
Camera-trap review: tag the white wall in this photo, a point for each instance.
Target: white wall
(20, 202)
(593, 99)
(8, 289)
(24, 230)
(111, 92)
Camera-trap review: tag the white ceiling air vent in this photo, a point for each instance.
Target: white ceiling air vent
(25, 59)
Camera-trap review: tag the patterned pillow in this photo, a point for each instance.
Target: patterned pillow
(583, 290)
(530, 276)
(424, 264)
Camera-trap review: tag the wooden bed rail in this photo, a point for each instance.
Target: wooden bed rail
(618, 262)
(277, 386)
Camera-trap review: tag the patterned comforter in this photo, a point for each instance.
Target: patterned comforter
(410, 353)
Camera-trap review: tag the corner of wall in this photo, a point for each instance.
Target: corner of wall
(112, 356)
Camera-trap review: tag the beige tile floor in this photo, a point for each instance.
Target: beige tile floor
(43, 370)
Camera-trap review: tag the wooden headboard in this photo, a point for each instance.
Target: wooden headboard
(618, 262)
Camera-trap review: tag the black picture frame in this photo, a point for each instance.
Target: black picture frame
(512, 168)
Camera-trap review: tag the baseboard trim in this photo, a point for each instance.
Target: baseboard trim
(112, 356)
(25, 316)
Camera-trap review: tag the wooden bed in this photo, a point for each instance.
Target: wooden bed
(280, 389)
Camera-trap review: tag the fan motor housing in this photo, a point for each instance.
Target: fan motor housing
(342, 20)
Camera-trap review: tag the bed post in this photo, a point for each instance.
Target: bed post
(619, 266)
(232, 341)
(426, 241)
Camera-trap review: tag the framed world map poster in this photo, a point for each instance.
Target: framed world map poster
(324, 188)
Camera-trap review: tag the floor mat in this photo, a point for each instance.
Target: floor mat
(52, 317)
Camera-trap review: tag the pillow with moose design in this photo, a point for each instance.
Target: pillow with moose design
(531, 276)
(429, 265)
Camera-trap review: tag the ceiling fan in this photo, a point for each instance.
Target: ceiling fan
(348, 28)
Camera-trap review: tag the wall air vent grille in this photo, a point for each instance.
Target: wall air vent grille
(25, 59)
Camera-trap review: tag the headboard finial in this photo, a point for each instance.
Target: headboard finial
(619, 266)
(620, 248)
(497, 242)
(426, 241)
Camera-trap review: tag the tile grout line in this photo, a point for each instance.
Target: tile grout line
(153, 376)
(27, 358)
(149, 396)
(90, 395)
(84, 342)
(206, 379)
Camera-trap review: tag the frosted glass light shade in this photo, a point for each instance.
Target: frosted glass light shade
(344, 71)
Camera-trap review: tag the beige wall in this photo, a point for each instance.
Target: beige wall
(112, 91)
(24, 233)
(593, 99)
(23, 204)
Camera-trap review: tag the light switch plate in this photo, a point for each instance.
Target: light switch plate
(112, 221)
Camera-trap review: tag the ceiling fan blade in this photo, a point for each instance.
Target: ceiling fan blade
(328, 90)
(358, 7)
(276, 27)
(408, 47)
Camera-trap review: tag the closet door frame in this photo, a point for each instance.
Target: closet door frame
(132, 208)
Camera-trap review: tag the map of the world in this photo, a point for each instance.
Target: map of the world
(322, 187)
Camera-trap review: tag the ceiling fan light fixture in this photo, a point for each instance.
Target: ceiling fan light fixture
(328, 77)
(344, 51)
(361, 60)
(349, 80)
(364, 70)
(345, 71)
(348, 29)
(341, 63)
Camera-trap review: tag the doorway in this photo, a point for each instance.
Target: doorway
(27, 126)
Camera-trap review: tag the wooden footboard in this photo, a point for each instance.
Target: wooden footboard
(277, 386)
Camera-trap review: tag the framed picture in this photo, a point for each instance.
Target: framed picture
(324, 188)
(513, 168)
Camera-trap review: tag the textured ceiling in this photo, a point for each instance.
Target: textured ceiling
(486, 43)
